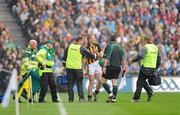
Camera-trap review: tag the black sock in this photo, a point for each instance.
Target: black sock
(106, 87)
(115, 89)
(89, 96)
(96, 92)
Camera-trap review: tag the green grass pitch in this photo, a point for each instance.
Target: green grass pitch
(162, 104)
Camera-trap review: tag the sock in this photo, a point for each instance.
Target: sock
(96, 92)
(111, 94)
(89, 96)
(115, 89)
(106, 87)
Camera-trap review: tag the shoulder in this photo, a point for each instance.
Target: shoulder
(109, 45)
(115, 46)
(42, 50)
(27, 51)
(151, 46)
(97, 45)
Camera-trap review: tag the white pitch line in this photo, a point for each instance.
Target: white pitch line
(62, 109)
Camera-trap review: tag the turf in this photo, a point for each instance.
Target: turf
(162, 104)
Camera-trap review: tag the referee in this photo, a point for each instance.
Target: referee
(114, 58)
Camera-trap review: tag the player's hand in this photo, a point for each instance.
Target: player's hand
(100, 54)
(125, 68)
(95, 56)
(43, 65)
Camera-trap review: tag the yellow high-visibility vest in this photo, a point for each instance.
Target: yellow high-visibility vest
(74, 57)
(150, 58)
(41, 57)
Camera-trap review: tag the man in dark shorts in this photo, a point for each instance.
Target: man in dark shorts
(114, 60)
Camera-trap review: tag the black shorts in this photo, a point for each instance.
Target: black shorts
(112, 72)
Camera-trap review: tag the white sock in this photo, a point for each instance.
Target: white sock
(111, 94)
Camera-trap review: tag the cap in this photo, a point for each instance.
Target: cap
(49, 42)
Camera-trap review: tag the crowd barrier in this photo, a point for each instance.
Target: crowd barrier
(169, 84)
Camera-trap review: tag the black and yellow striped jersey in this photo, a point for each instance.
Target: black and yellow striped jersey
(93, 48)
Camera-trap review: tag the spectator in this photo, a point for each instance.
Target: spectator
(62, 20)
(163, 70)
(8, 51)
(172, 70)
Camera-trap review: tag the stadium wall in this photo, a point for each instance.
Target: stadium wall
(169, 84)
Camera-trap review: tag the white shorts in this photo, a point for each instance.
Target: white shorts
(95, 68)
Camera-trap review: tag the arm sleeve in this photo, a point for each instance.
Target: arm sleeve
(140, 55)
(65, 54)
(123, 53)
(99, 49)
(26, 58)
(86, 53)
(158, 60)
(49, 63)
(25, 62)
(26, 54)
(64, 58)
(39, 55)
(106, 55)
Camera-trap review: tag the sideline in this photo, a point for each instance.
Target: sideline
(61, 107)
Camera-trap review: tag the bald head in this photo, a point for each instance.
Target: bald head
(33, 44)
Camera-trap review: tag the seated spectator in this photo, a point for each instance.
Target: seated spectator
(172, 70)
(9, 55)
(178, 66)
(163, 70)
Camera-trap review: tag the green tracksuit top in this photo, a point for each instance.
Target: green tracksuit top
(29, 60)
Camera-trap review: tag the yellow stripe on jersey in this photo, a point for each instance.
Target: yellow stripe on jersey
(93, 48)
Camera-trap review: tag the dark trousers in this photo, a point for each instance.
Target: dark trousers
(47, 79)
(75, 76)
(142, 83)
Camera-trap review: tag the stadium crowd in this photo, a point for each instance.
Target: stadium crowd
(10, 54)
(62, 20)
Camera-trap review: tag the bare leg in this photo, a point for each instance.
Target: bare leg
(91, 82)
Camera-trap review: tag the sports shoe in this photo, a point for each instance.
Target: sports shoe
(56, 101)
(109, 99)
(95, 97)
(135, 100)
(82, 100)
(90, 100)
(113, 100)
(30, 101)
(42, 101)
(70, 101)
(150, 97)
